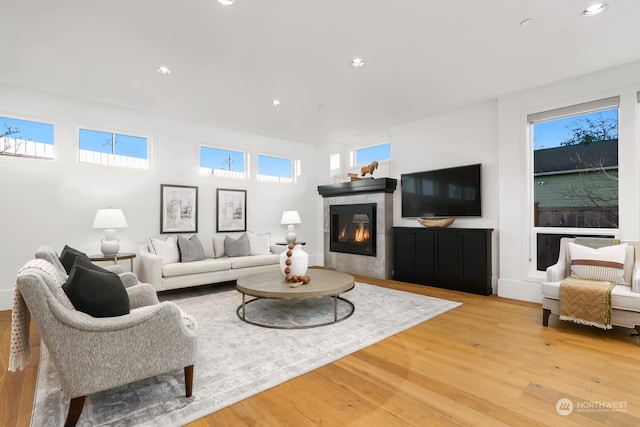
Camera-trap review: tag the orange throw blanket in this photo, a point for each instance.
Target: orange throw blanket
(587, 302)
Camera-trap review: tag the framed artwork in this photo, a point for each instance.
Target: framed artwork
(232, 210)
(178, 209)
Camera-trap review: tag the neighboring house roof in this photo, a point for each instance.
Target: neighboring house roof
(600, 154)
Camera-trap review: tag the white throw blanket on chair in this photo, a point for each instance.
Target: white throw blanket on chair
(20, 351)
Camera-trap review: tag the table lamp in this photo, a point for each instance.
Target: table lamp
(290, 218)
(110, 219)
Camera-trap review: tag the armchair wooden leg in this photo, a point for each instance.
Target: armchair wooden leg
(545, 316)
(75, 409)
(188, 379)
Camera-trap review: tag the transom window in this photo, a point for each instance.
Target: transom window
(113, 149)
(575, 175)
(275, 169)
(366, 155)
(25, 138)
(222, 162)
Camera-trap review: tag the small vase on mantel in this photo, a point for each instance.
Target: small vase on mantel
(299, 261)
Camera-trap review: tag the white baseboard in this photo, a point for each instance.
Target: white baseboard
(525, 291)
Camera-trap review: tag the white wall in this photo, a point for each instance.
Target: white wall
(516, 281)
(53, 202)
(456, 138)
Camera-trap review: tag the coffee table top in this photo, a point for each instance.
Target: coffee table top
(273, 285)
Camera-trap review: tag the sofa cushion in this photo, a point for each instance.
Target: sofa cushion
(97, 293)
(167, 249)
(606, 263)
(205, 266)
(622, 297)
(190, 249)
(254, 261)
(68, 256)
(259, 244)
(237, 247)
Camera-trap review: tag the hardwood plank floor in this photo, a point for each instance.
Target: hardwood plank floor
(489, 362)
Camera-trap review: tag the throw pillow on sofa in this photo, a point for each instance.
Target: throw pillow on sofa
(97, 293)
(167, 249)
(237, 247)
(68, 257)
(259, 245)
(190, 249)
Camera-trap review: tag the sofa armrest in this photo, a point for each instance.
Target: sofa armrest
(278, 249)
(117, 268)
(557, 272)
(150, 267)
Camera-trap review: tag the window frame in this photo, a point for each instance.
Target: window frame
(573, 110)
(114, 160)
(295, 170)
(221, 172)
(353, 154)
(43, 145)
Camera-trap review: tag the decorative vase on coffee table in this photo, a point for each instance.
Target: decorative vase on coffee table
(299, 261)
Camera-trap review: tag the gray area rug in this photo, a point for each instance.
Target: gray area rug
(237, 360)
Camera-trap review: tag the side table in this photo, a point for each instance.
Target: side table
(115, 258)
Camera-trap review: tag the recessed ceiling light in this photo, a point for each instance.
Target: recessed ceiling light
(275, 103)
(595, 9)
(357, 62)
(227, 2)
(163, 70)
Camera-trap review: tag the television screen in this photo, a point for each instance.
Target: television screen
(447, 192)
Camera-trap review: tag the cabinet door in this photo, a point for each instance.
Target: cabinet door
(448, 259)
(475, 255)
(404, 259)
(424, 266)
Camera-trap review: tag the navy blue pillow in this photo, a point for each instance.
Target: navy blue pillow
(68, 257)
(97, 293)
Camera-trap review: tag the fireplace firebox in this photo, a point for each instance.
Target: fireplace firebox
(352, 229)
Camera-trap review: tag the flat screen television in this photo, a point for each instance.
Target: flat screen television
(450, 192)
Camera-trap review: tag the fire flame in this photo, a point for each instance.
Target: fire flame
(361, 234)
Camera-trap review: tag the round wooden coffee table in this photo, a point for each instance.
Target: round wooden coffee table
(323, 283)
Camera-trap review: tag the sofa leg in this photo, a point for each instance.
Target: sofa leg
(545, 316)
(637, 328)
(188, 379)
(75, 409)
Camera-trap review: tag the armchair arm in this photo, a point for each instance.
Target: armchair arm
(150, 267)
(118, 269)
(141, 295)
(557, 272)
(129, 279)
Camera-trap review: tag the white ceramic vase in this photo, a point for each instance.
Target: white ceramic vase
(299, 261)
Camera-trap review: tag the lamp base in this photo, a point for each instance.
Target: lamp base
(110, 247)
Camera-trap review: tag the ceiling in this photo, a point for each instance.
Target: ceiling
(228, 62)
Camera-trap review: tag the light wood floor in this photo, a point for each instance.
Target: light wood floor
(489, 362)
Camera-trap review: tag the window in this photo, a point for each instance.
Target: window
(364, 156)
(222, 162)
(274, 169)
(575, 174)
(24, 138)
(112, 149)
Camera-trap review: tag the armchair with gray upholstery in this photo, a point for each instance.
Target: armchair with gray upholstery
(92, 354)
(625, 298)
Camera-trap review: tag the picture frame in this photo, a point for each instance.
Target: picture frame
(178, 209)
(232, 210)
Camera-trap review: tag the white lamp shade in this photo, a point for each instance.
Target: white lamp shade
(109, 219)
(290, 217)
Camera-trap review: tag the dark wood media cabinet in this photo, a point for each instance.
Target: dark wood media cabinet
(451, 258)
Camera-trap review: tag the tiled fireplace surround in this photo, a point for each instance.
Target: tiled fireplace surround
(378, 191)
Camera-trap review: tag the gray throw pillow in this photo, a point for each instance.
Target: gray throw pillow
(190, 249)
(237, 247)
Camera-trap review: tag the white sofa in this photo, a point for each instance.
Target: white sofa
(625, 299)
(166, 271)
